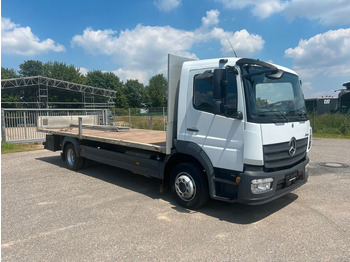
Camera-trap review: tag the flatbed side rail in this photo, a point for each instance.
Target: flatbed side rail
(149, 140)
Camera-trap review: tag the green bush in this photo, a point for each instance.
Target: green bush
(330, 125)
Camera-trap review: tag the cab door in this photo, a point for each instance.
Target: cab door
(220, 134)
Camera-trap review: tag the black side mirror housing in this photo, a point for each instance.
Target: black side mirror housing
(218, 83)
(220, 86)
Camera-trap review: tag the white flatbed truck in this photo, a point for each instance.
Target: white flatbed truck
(236, 131)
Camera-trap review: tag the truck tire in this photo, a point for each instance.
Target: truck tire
(189, 186)
(73, 161)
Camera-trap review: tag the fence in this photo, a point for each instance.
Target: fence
(152, 118)
(19, 125)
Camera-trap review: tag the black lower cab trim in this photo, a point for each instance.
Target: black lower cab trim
(225, 184)
(234, 186)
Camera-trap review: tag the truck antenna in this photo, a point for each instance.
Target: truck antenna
(231, 47)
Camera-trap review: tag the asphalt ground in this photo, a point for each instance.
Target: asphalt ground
(50, 213)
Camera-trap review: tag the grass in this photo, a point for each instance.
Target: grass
(323, 135)
(7, 148)
(330, 125)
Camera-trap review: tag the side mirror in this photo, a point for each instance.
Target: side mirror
(219, 83)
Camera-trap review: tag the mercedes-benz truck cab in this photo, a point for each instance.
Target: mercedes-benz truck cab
(249, 118)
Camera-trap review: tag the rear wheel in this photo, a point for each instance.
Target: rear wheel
(73, 161)
(189, 186)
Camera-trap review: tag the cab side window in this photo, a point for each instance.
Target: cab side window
(203, 92)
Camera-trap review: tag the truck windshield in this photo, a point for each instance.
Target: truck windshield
(271, 100)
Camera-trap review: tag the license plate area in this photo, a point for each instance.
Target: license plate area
(289, 180)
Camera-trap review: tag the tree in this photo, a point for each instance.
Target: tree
(120, 99)
(61, 71)
(156, 91)
(8, 73)
(108, 80)
(134, 92)
(31, 68)
(103, 80)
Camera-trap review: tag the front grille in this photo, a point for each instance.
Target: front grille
(277, 156)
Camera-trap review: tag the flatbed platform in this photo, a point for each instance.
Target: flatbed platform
(151, 140)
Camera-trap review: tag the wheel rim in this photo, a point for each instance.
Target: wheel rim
(185, 186)
(70, 156)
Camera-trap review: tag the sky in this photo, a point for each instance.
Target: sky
(132, 38)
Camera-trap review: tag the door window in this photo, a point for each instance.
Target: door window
(203, 94)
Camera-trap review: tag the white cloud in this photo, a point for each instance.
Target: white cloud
(96, 42)
(21, 41)
(243, 43)
(140, 75)
(142, 47)
(145, 48)
(6, 24)
(260, 8)
(326, 11)
(83, 70)
(212, 18)
(167, 5)
(326, 54)
(307, 86)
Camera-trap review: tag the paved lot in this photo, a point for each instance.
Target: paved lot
(106, 214)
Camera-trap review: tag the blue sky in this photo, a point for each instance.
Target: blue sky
(132, 38)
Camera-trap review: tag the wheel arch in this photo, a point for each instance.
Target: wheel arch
(70, 140)
(188, 152)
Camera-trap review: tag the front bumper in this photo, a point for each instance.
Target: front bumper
(227, 189)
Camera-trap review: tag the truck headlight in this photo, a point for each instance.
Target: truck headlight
(263, 185)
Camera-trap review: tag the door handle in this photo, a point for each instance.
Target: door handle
(193, 129)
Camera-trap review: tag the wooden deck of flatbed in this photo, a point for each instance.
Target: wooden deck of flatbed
(136, 138)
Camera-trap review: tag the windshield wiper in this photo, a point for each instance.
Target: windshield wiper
(279, 114)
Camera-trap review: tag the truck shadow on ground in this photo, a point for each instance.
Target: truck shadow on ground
(230, 212)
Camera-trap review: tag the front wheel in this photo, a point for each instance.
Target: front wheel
(73, 161)
(189, 186)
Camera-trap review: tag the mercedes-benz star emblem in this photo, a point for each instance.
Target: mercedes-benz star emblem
(292, 146)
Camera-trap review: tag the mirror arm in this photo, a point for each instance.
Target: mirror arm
(239, 115)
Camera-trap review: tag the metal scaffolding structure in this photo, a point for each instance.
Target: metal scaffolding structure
(43, 83)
